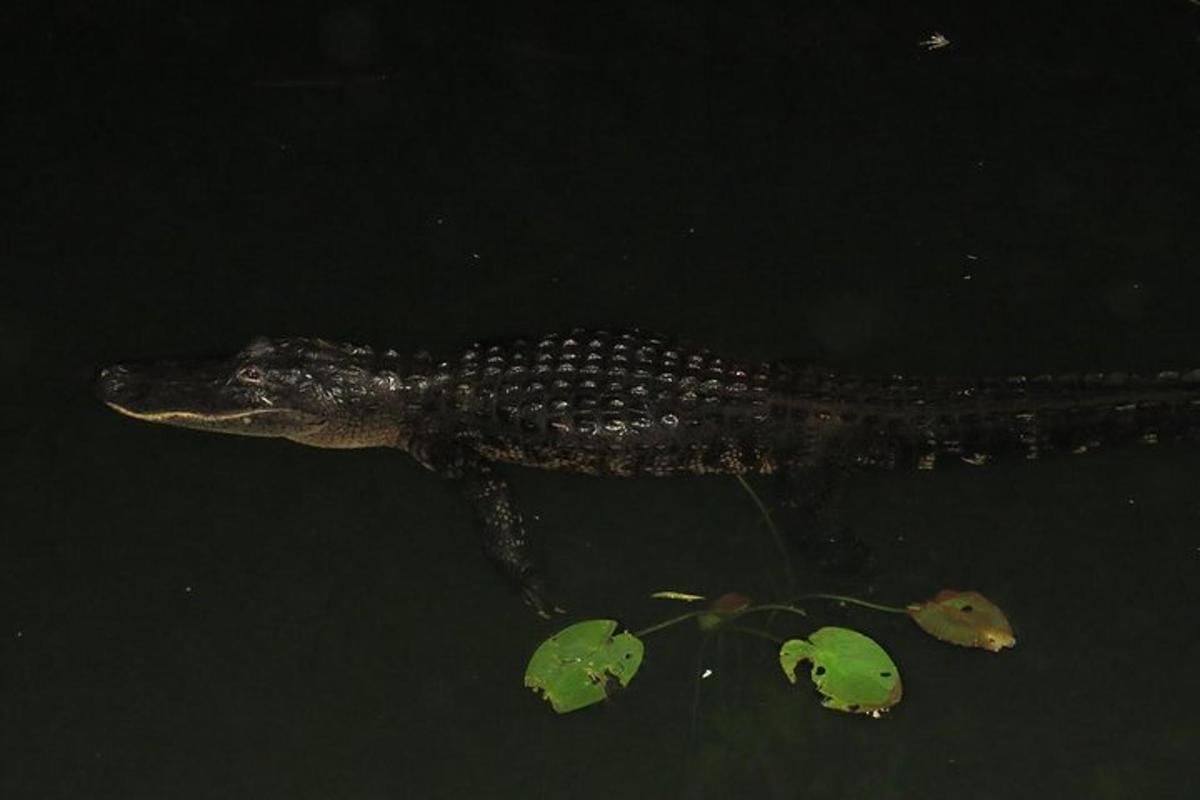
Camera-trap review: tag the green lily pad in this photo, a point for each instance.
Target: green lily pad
(852, 672)
(964, 618)
(582, 664)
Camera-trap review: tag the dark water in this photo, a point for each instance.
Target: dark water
(196, 616)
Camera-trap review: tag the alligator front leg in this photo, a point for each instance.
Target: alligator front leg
(499, 521)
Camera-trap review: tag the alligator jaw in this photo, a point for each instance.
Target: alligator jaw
(187, 418)
(199, 396)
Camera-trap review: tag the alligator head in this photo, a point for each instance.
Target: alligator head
(305, 390)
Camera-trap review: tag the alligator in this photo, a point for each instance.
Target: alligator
(610, 402)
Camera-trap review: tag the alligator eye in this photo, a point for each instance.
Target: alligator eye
(250, 374)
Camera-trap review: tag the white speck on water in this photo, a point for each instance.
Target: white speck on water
(20, 634)
(475, 256)
(187, 589)
(967, 277)
(440, 220)
(972, 256)
(706, 674)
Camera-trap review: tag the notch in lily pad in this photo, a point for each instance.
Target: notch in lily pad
(583, 664)
(852, 672)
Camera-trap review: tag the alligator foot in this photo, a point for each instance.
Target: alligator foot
(533, 592)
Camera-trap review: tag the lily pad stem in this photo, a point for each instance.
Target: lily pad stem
(759, 633)
(854, 601)
(774, 607)
(789, 575)
(658, 626)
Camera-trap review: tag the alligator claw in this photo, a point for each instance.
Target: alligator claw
(534, 595)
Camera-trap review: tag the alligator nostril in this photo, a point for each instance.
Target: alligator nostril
(111, 380)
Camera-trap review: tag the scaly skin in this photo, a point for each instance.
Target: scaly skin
(630, 403)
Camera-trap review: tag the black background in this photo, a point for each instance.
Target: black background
(192, 616)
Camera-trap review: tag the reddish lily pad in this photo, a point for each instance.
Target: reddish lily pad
(723, 609)
(967, 619)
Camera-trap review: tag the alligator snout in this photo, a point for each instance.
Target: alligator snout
(112, 382)
(123, 387)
